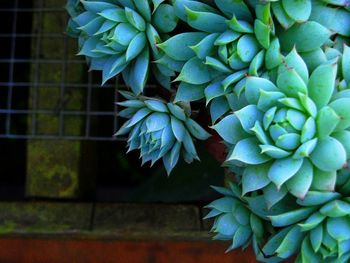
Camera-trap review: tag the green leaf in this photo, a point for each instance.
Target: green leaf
(272, 195)
(314, 198)
(177, 111)
(326, 122)
(306, 37)
(178, 46)
(248, 151)
(283, 169)
(291, 217)
(136, 46)
(273, 57)
(346, 63)
(322, 83)
(291, 83)
(253, 87)
(194, 72)
(255, 177)
(274, 242)
(298, 10)
(300, 183)
(324, 181)
(344, 138)
(262, 33)
(341, 107)
(144, 9)
(240, 26)
(239, 8)
(196, 130)
(247, 48)
(335, 208)
(217, 65)
(230, 129)
(178, 129)
(329, 155)
(339, 228)
(305, 149)
(313, 221)
(294, 60)
(248, 116)
(189, 92)
(135, 19)
(316, 236)
(180, 8)
(224, 204)
(227, 37)
(206, 46)
(139, 72)
(335, 19)
(281, 15)
(205, 21)
(314, 58)
(290, 243)
(164, 18)
(218, 107)
(226, 225)
(156, 105)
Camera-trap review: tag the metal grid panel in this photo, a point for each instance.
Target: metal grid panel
(56, 77)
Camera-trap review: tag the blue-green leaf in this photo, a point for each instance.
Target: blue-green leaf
(178, 46)
(194, 72)
(230, 129)
(284, 169)
(248, 151)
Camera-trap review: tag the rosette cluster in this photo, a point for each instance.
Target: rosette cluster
(159, 130)
(295, 133)
(121, 36)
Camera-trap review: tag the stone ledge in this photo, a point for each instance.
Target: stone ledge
(105, 221)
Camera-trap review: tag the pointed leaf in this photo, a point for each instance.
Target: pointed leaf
(248, 151)
(321, 84)
(284, 169)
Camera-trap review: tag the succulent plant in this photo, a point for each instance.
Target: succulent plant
(275, 77)
(121, 36)
(318, 228)
(159, 130)
(233, 219)
(295, 133)
(231, 43)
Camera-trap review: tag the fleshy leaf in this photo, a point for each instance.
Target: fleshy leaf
(300, 183)
(284, 169)
(298, 10)
(321, 84)
(306, 37)
(255, 178)
(194, 72)
(329, 155)
(291, 217)
(178, 47)
(248, 151)
(248, 116)
(230, 129)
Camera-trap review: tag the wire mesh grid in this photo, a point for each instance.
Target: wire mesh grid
(47, 92)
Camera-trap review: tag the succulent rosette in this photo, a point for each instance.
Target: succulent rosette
(159, 130)
(293, 134)
(318, 230)
(230, 43)
(120, 36)
(234, 221)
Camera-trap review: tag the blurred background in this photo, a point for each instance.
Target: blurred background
(68, 191)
